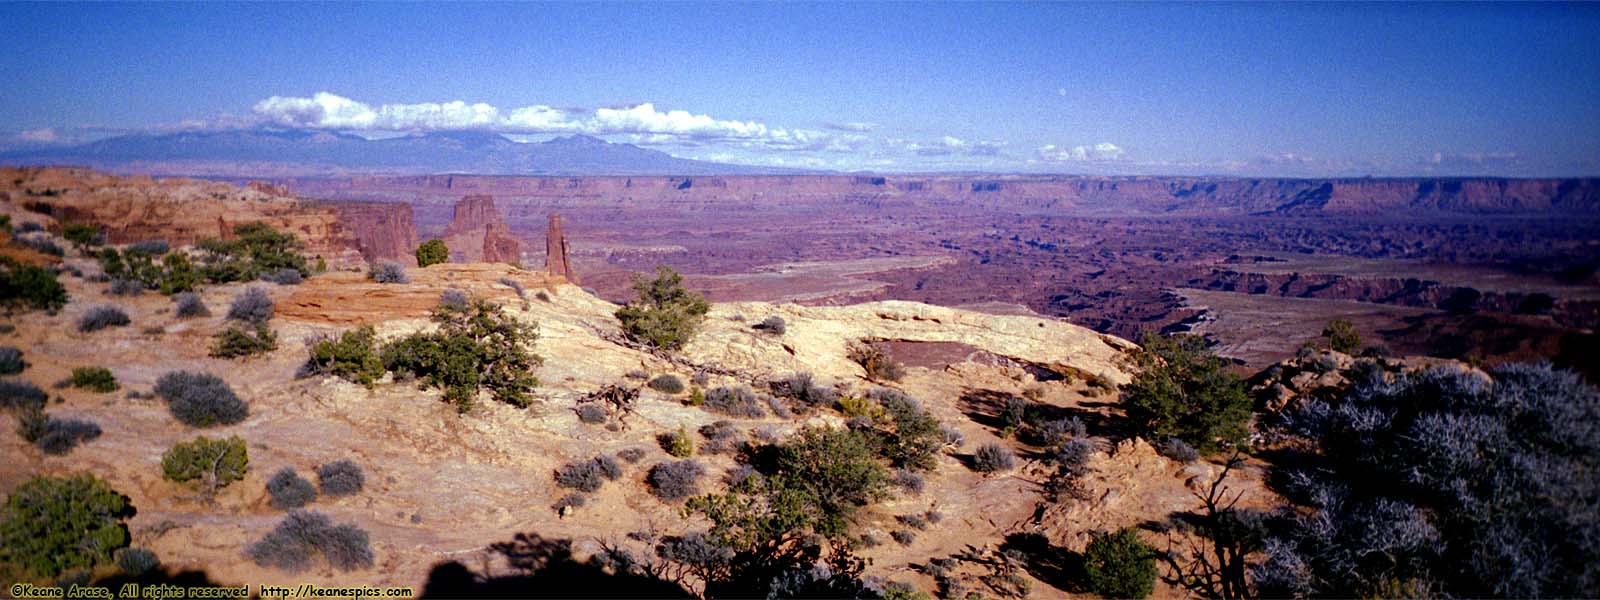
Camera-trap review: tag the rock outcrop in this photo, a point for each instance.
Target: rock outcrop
(385, 231)
(181, 211)
(478, 233)
(555, 248)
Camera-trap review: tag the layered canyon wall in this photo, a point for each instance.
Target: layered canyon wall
(1209, 196)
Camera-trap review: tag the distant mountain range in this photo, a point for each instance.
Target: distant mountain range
(284, 152)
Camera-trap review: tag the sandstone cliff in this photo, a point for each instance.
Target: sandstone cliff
(181, 211)
(478, 233)
(1088, 195)
(385, 231)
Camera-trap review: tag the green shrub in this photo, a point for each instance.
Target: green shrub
(678, 443)
(1120, 565)
(667, 384)
(835, 470)
(255, 249)
(1342, 336)
(476, 346)
(665, 315)
(82, 235)
(214, 463)
(1185, 391)
(50, 524)
(236, 342)
(29, 287)
(137, 561)
(432, 252)
(200, 399)
(353, 356)
(94, 379)
(910, 437)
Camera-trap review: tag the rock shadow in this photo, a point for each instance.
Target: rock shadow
(545, 569)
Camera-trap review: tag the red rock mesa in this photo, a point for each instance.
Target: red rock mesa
(477, 233)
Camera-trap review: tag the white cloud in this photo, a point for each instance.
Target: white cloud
(43, 136)
(855, 127)
(949, 145)
(1098, 152)
(651, 126)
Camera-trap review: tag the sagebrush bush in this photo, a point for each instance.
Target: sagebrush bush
(904, 537)
(190, 305)
(11, 361)
(43, 244)
(909, 481)
(992, 458)
(721, 437)
(878, 365)
(1460, 484)
(101, 317)
(588, 475)
(591, 413)
(284, 276)
(665, 315)
(516, 286)
(251, 306)
(773, 325)
(1120, 565)
(779, 407)
(137, 561)
(287, 490)
(340, 478)
(388, 272)
(60, 436)
(19, 395)
(51, 524)
(676, 480)
(94, 379)
(200, 399)
(667, 384)
(125, 287)
(353, 356)
(572, 500)
(1177, 450)
(631, 455)
(212, 463)
(804, 391)
(25, 286)
(301, 536)
(1054, 432)
(432, 252)
(454, 297)
(237, 342)
(734, 402)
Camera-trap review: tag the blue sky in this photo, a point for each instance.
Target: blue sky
(1252, 89)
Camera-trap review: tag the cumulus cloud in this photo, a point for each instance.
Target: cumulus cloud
(950, 145)
(1098, 152)
(851, 127)
(651, 125)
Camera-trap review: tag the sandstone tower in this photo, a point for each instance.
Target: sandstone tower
(555, 247)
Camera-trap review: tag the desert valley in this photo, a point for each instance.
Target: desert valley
(874, 338)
